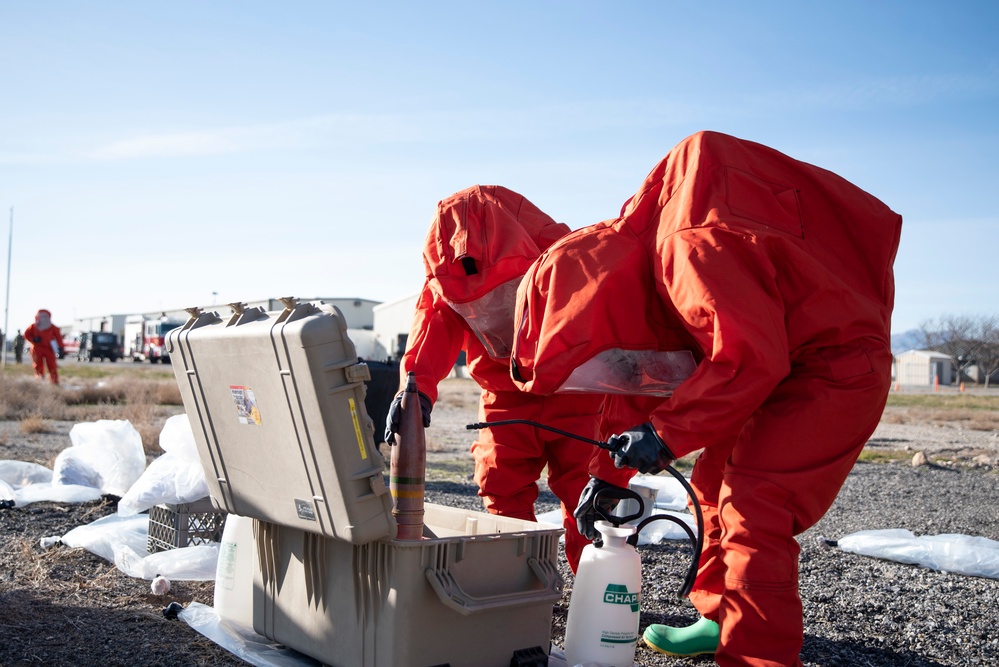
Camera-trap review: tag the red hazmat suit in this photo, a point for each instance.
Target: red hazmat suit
(780, 274)
(480, 243)
(42, 334)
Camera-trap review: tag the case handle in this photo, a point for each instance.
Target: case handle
(454, 596)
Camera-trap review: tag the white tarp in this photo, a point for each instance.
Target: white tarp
(963, 554)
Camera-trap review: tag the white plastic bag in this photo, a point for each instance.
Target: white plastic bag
(124, 542)
(114, 538)
(178, 438)
(106, 454)
(23, 473)
(198, 562)
(670, 494)
(6, 492)
(26, 483)
(657, 531)
(75, 467)
(176, 477)
(963, 554)
(55, 493)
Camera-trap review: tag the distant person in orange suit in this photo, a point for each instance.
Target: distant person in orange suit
(46, 343)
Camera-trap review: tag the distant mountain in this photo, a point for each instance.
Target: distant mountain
(905, 341)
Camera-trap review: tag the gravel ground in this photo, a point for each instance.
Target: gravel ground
(67, 607)
(858, 610)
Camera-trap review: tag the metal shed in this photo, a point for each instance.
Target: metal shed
(924, 368)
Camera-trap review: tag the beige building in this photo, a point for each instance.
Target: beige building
(924, 368)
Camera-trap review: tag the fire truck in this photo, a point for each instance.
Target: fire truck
(145, 337)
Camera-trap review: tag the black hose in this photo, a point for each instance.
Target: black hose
(697, 540)
(507, 422)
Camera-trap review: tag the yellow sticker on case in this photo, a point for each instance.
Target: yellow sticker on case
(357, 428)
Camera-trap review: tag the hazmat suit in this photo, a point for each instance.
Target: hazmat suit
(46, 343)
(480, 243)
(780, 273)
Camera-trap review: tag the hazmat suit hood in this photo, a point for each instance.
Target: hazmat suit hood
(843, 239)
(589, 320)
(480, 243)
(43, 319)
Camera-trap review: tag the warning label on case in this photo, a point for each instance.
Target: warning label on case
(357, 427)
(246, 404)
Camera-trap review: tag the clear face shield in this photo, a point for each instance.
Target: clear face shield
(490, 317)
(43, 321)
(634, 372)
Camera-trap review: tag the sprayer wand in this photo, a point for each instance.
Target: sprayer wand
(697, 540)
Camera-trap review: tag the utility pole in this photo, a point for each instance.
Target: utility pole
(6, 308)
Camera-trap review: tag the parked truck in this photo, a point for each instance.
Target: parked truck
(98, 345)
(145, 337)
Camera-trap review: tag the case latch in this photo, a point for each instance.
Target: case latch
(358, 373)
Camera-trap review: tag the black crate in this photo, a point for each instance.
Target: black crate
(184, 525)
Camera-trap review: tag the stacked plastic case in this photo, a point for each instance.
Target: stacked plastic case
(276, 403)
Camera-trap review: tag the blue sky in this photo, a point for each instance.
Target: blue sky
(157, 153)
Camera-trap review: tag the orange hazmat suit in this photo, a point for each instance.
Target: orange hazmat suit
(780, 275)
(42, 334)
(480, 243)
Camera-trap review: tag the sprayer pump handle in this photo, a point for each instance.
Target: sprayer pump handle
(621, 494)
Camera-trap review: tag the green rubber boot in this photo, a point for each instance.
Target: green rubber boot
(701, 638)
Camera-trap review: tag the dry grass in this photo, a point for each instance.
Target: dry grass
(974, 411)
(21, 398)
(125, 390)
(869, 455)
(96, 394)
(35, 424)
(949, 401)
(144, 400)
(974, 419)
(458, 393)
(991, 424)
(436, 446)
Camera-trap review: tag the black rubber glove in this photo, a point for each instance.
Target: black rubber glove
(641, 448)
(392, 418)
(586, 512)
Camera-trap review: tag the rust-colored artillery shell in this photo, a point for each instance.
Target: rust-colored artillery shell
(409, 463)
